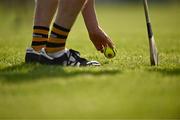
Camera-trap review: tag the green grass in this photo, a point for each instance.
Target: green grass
(125, 87)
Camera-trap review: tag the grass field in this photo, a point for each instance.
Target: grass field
(125, 87)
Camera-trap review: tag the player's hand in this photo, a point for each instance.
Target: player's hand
(100, 39)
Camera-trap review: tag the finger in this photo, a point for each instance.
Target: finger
(110, 43)
(105, 45)
(99, 48)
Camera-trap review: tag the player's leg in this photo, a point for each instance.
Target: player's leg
(66, 16)
(55, 52)
(44, 12)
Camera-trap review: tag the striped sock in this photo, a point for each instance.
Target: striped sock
(40, 37)
(57, 40)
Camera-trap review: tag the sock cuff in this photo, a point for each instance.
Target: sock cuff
(61, 28)
(41, 28)
(40, 31)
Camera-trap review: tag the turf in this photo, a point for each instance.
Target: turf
(124, 87)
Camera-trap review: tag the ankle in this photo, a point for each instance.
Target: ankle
(58, 53)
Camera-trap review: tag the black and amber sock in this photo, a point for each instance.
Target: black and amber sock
(40, 37)
(57, 39)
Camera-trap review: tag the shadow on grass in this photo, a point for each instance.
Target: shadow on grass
(167, 71)
(28, 72)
